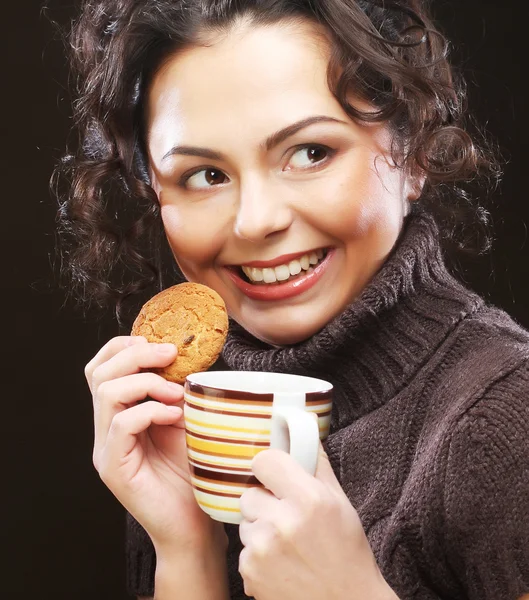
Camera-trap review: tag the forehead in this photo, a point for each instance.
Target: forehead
(249, 80)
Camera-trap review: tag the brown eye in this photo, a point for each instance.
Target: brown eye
(308, 156)
(316, 153)
(205, 178)
(215, 177)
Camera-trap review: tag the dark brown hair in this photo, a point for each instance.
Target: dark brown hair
(388, 52)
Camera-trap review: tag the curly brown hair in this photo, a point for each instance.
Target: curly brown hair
(389, 52)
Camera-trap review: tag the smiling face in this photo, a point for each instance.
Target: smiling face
(270, 194)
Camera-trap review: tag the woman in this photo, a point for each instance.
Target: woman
(291, 153)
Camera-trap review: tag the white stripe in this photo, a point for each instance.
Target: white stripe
(233, 462)
(221, 487)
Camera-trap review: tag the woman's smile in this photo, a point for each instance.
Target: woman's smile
(270, 194)
(282, 278)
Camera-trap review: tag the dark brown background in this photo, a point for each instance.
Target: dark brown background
(63, 529)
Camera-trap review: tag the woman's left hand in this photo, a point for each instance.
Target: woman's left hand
(302, 537)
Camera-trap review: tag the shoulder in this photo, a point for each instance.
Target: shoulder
(491, 329)
(491, 325)
(486, 353)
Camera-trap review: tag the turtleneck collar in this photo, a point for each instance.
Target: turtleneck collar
(375, 347)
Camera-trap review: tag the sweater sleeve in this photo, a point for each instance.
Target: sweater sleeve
(486, 503)
(140, 560)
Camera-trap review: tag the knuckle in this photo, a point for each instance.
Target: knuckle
(103, 392)
(313, 500)
(245, 565)
(96, 378)
(267, 541)
(246, 500)
(287, 528)
(118, 424)
(88, 372)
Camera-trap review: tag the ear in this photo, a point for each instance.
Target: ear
(155, 184)
(414, 186)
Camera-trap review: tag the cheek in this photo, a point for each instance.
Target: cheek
(362, 202)
(195, 241)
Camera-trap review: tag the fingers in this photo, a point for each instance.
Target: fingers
(125, 427)
(281, 474)
(132, 359)
(255, 502)
(325, 472)
(116, 395)
(258, 508)
(109, 350)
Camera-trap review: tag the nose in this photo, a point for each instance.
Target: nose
(262, 212)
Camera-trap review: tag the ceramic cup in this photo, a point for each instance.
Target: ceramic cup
(231, 416)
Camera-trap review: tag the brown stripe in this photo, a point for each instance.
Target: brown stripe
(224, 477)
(243, 486)
(225, 398)
(216, 438)
(219, 394)
(223, 395)
(215, 466)
(320, 396)
(228, 412)
(216, 493)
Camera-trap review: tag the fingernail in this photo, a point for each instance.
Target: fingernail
(174, 409)
(175, 387)
(165, 348)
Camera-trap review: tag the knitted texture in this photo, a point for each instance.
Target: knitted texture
(429, 434)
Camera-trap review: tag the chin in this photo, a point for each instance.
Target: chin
(284, 334)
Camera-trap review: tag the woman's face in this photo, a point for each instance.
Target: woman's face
(269, 193)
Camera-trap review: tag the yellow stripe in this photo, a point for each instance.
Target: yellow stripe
(221, 448)
(214, 507)
(227, 465)
(227, 409)
(239, 429)
(203, 486)
(227, 427)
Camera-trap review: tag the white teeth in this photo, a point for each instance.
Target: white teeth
(282, 272)
(257, 275)
(294, 267)
(269, 276)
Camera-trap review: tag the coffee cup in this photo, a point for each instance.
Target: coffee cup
(231, 416)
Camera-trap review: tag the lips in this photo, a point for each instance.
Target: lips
(279, 290)
(285, 270)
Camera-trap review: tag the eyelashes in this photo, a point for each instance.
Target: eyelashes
(206, 177)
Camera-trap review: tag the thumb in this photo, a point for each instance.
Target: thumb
(324, 472)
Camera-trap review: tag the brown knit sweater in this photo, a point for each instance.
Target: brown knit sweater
(430, 429)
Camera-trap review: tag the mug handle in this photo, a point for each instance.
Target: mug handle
(303, 432)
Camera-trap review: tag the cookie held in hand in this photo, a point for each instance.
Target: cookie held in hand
(194, 318)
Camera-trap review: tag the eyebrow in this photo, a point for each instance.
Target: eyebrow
(271, 141)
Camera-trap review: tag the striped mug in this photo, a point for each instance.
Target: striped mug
(230, 416)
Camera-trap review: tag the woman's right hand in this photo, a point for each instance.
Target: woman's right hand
(140, 448)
